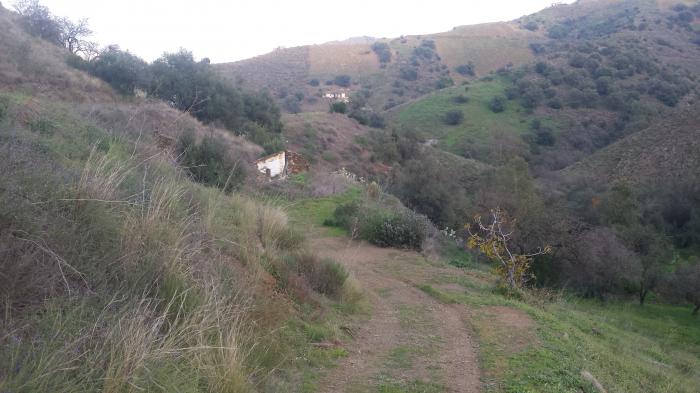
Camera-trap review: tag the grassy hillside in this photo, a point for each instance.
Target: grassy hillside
(479, 129)
(540, 341)
(120, 273)
(489, 46)
(290, 70)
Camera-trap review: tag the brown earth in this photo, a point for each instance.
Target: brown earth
(410, 338)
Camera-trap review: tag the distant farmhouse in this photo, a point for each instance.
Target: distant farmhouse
(340, 95)
(282, 164)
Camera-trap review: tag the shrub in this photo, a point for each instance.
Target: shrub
(121, 70)
(344, 215)
(314, 82)
(329, 277)
(428, 44)
(403, 229)
(408, 73)
(210, 163)
(444, 82)
(4, 105)
(329, 156)
(342, 80)
(531, 25)
(454, 117)
(460, 99)
(303, 270)
(292, 104)
(272, 142)
(385, 228)
(558, 31)
(383, 51)
(376, 121)
(466, 69)
(423, 52)
(554, 103)
(339, 107)
(497, 104)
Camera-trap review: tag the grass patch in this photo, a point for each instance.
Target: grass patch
(628, 348)
(438, 294)
(316, 211)
(428, 114)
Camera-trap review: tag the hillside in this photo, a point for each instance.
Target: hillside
(507, 207)
(666, 150)
(433, 58)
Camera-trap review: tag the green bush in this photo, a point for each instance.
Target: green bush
(466, 69)
(531, 25)
(403, 229)
(272, 142)
(408, 73)
(314, 82)
(383, 51)
(325, 276)
(342, 80)
(339, 107)
(497, 104)
(3, 108)
(344, 215)
(210, 163)
(444, 82)
(454, 117)
(376, 121)
(329, 277)
(461, 99)
(330, 157)
(386, 228)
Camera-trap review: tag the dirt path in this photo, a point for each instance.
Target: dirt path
(411, 342)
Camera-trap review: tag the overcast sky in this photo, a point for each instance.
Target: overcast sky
(238, 29)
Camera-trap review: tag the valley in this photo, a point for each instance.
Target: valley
(502, 207)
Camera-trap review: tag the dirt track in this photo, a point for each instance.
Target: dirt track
(410, 339)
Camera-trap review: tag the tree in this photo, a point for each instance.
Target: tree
(38, 21)
(342, 80)
(74, 34)
(685, 285)
(493, 239)
(654, 254)
(595, 262)
(120, 69)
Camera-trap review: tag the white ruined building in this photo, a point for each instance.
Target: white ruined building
(273, 165)
(282, 164)
(337, 96)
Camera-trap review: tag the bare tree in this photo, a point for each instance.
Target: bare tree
(74, 34)
(493, 239)
(38, 20)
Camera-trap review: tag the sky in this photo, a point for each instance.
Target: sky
(237, 29)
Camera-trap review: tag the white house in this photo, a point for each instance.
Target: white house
(337, 96)
(273, 165)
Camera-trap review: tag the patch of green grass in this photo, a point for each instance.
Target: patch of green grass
(402, 356)
(427, 115)
(438, 294)
(315, 211)
(391, 385)
(628, 348)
